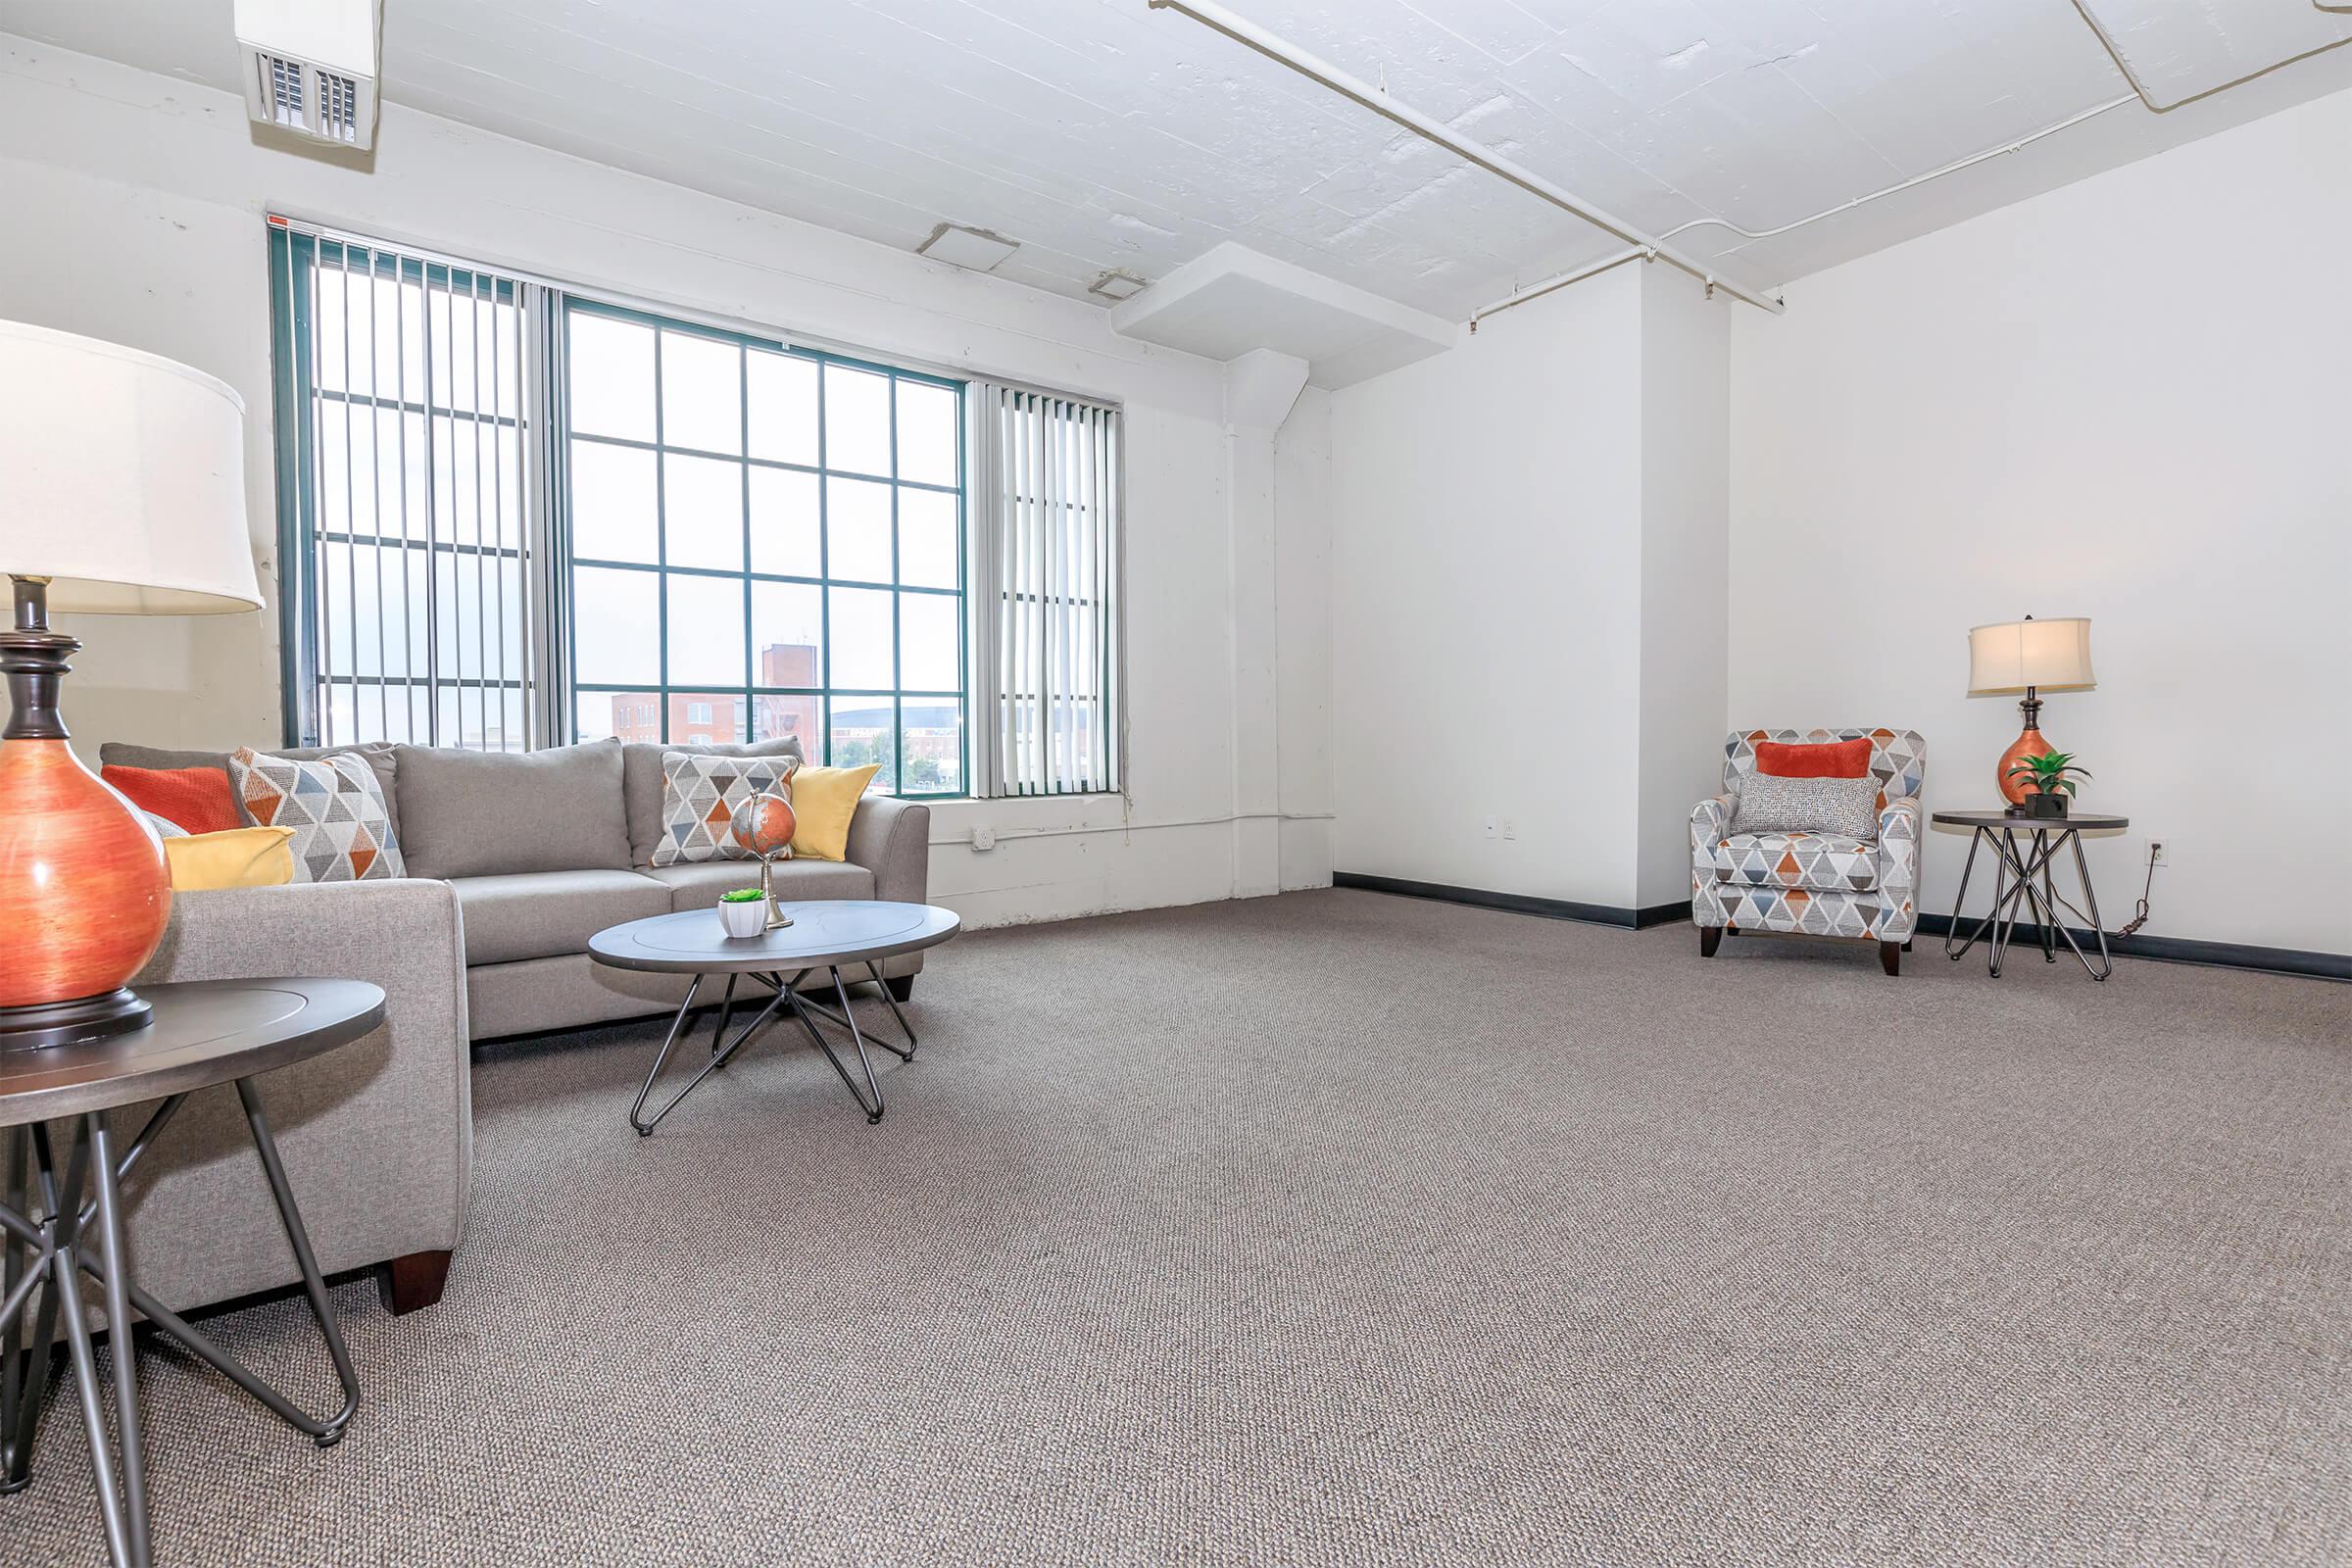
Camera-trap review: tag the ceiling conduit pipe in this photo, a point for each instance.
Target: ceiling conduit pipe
(1245, 31)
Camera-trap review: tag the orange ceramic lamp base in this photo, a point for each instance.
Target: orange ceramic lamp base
(2030, 744)
(84, 889)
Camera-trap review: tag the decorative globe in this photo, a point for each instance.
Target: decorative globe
(764, 825)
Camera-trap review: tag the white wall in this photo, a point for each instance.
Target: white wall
(1486, 638)
(135, 206)
(1303, 602)
(1686, 525)
(2124, 400)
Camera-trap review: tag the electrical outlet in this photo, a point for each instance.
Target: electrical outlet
(2156, 851)
(1510, 827)
(984, 839)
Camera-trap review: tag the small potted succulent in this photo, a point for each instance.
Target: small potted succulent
(2049, 781)
(743, 912)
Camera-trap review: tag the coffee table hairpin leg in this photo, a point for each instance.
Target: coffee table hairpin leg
(57, 1253)
(870, 1099)
(2014, 892)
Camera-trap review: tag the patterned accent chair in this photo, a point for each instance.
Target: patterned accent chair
(1815, 884)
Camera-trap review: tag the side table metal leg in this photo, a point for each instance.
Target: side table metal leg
(313, 1285)
(18, 1262)
(2049, 901)
(121, 1340)
(1960, 904)
(64, 1295)
(2091, 896)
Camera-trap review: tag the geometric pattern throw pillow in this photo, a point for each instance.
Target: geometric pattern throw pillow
(700, 792)
(335, 806)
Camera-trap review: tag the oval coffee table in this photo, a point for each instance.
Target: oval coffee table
(823, 935)
(200, 1034)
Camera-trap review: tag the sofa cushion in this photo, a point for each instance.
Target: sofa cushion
(379, 754)
(1824, 860)
(544, 914)
(698, 887)
(492, 813)
(642, 784)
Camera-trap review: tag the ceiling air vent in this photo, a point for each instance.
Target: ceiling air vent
(311, 66)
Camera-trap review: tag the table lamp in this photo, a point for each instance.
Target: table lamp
(2032, 656)
(122, 493)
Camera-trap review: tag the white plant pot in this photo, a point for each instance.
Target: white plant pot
(748, 919)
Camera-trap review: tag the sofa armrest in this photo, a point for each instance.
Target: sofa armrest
(1899, 845)
(377, 1136)
(892, 838)
(1712, 821)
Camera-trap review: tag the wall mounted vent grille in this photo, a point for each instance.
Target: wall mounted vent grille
(282, 90)
(339, 107)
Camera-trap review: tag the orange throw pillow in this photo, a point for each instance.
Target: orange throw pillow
(196, 798)
(1814, 759)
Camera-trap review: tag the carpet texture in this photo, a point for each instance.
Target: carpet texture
(1343, 1228)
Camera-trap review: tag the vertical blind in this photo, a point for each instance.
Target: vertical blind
(1046, 485)
(408, 552)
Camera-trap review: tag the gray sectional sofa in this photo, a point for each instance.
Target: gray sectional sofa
(513, 862)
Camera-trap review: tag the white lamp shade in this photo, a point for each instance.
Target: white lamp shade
(2051, 656)
(122, 479)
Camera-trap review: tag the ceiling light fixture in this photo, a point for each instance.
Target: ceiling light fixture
(975, 250)
(1117, 284)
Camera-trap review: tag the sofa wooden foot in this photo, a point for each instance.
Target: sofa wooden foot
(1710, 937)
(901, 986)
(1891, 956)
(411, 1282)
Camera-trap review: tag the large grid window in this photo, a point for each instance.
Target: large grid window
(404, 458)
(513, 515)
(763, 542)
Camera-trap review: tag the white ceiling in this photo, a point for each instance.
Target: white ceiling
(1104, 134)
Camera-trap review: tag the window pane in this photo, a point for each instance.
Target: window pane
(613, 517)
(783, 390)
(858, 529)
(697, 718)
(784, 523)
(928, 636)
(615, 626)
(862, 732)
(862, 638)
(856, 420)
(705, 630)
(932, 747)
(776, 717)
(702, 511)
(787, 634)
(702, 393)
(928, 538)
(926, 432)
(612, 376)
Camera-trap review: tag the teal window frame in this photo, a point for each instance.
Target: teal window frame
(572, 305)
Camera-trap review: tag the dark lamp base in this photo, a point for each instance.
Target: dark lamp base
(73, 1022)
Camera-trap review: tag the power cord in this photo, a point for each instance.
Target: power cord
(2139, 916)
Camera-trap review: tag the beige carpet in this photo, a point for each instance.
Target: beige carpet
(1341, 1228)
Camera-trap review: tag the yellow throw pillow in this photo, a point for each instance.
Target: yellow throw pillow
(241, 857)
(824, 800)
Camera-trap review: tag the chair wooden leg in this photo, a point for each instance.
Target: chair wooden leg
(1710, 937)
(1891, 956)
(901, 986)
(412, 1281)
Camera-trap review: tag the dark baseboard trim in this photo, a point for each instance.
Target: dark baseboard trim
(2180, 949)
(2162, 949)
(1622, 918)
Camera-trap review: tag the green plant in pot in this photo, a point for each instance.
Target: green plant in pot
(2050, 777)
(743, 912)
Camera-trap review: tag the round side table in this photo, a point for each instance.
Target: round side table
(202, 1034)
(2017, 865)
